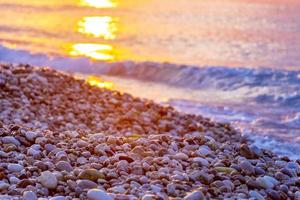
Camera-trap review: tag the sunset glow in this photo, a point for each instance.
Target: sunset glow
(99, 3)
(103, 27)
(94, 51)
(98, 82)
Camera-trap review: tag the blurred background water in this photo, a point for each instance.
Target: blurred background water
(231, 60)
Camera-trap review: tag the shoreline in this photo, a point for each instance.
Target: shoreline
(73, 140)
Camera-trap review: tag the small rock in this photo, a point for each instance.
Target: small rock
(48, 180)
(267, 182)
(15, 167)
(197, 195)
(226, 170)
(111, 140)
(24, 183)
(10, 140)
(30, 135)
(204, 150)
(247, 167)
(29, 195)
(91, 174)
(149, 197)
(297, 195)
(254, 194)
(14, 180)
(181, 156)
(58, 198)
(64, 166)
(3, 185)
(82, 143)
(71, 134)
(96, 194)
(201, 161)
(81, 160)
(86, 184)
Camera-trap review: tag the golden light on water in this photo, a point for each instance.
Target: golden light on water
(104, 27)
(98, 82)
(94, 51)
(99, 3)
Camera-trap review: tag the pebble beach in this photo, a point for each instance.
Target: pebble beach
(62, 139)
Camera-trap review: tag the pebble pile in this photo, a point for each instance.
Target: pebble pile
(61, 139)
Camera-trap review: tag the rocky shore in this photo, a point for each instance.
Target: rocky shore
(61, 138)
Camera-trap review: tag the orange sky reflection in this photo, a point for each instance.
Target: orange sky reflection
(99, 3)
(94, 51)
(104, 27)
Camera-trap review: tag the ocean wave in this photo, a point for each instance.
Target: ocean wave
(264, 86)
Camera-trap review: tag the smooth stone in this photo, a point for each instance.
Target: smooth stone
(48, 180)
(86, 184)
(15, 167)
(254, 194)
(33, 152)
(204, 150)
(201, 161)
(297, 195)
(91, 174)
(267, 182)
(30, 135)
(10, 140)
(64, 166)
(149, 197)
(82, 143)
(58, 198)
(71, 134)
(226, 170)
(29, 195)
(3, 185)
(197, 195)
(49, 147)
(111, 140)
(181, 156)
(14, 180)
(97, 194)
(247, 167)
(81, 160)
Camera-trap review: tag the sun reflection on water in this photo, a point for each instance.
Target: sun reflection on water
(98, 82)
(104, 27)
(94, 51)
(99, 3)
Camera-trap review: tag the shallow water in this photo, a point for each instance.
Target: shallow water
(257, 42)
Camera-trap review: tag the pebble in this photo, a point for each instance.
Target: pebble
(204, 150)
(181, 156)
(15, 167)
(267, 182)
(10, 140)
(64, 166)
(3, 185)
(58, 198)
(30, 135)
(197, 195)
(226, 170)
(29, 195)
(254, 194)
(86, 184)
(201, 161)
(297, 195)
(97, 194)
(91, 174)
(247, 167)
(48, 180)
